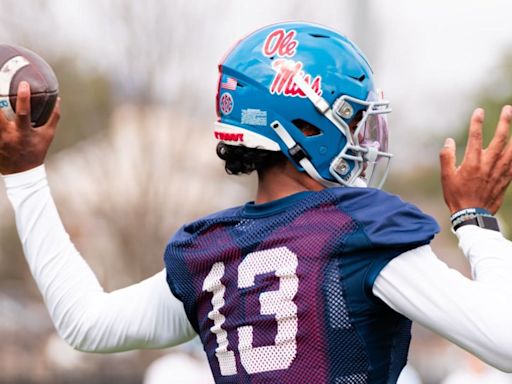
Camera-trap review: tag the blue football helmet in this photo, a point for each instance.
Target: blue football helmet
(286, 76)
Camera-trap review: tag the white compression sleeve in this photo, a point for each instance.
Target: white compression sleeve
(144, 315)
(474, 314)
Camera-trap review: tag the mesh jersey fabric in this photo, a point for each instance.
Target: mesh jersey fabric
(281, 292)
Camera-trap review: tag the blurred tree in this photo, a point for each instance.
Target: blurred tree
(131, 30)
(149, 49)
(87, 102)
(493, 95)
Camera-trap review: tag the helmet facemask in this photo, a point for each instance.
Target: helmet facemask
(363, 160)
(366, 148)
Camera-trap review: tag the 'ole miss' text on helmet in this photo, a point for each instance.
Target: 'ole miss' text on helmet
(284, 76)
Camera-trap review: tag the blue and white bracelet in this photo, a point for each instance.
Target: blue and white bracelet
(474, 216)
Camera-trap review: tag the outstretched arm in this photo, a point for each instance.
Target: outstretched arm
(475, 314)
(144, 315)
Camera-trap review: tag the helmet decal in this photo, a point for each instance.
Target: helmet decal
(226, 103)
(283, 83)
(229, 84)
(228, 136)
(253, 116)
(282, 43)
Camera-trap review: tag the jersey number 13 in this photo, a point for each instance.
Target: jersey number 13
(283, 263)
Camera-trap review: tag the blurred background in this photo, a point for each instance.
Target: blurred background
(134, 156)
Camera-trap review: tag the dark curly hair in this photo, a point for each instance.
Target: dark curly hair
(240, 159)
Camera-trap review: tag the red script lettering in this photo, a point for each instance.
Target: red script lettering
(280, 43)
(283, 83)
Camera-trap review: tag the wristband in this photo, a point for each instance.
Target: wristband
(474, 216)
(470, 212)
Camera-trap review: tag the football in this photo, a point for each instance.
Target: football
(20, 64)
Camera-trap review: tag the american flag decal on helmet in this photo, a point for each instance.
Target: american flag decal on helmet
(229, 83)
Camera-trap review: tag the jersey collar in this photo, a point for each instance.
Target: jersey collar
(253, 210)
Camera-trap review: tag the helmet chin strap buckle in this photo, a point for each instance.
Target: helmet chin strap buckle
(298, 153)
(295, 150)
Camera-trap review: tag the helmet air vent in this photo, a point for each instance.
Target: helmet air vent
(360, 78)
(319, 36)
(306, 128)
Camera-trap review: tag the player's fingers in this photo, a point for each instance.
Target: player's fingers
(23, 105)
(3, 119)
(494, 151)
(447, 159)
(474, 144)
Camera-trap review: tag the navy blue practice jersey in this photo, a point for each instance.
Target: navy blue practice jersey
(282, 292)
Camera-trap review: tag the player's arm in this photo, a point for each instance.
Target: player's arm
(475, 314)
(144, 315)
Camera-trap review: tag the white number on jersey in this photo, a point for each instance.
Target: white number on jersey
(283, 263)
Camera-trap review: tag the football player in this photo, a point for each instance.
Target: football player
(317, 279)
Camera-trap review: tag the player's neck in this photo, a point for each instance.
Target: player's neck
(281, 181)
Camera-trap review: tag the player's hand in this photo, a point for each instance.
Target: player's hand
(21, 146)
(484, 174)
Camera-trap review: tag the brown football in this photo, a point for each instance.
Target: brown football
(20, 64)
